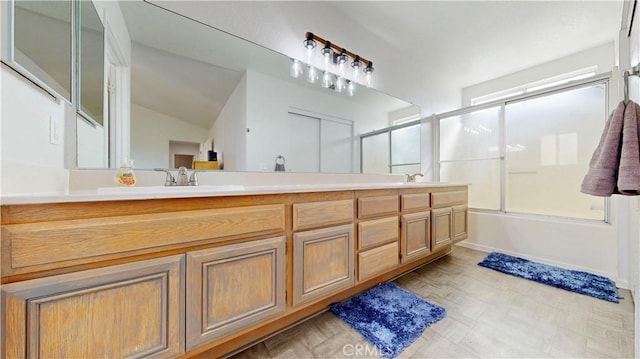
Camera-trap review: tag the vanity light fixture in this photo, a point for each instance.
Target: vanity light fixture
(332, 55)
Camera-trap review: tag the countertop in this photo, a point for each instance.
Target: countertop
(159, 192)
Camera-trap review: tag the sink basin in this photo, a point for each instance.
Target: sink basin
(171, 189)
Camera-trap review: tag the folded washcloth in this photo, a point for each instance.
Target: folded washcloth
(601, 179)
(629, 168)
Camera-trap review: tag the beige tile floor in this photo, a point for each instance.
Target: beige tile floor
(489, 315)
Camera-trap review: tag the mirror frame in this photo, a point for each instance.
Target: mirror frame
(79, 57)
(8, 52)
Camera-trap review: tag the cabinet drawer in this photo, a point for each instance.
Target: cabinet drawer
(54, 244)
(415, 201)
(376, 232)
(377, 260)
(377, 206)
(447, 199)
(318, 214)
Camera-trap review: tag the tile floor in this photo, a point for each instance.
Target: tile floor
(489, 315)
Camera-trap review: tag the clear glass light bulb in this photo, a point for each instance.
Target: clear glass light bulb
(340, 84)
(351, 88)
(296, 69)
(312, 75)
(327, 81)
(368, 79)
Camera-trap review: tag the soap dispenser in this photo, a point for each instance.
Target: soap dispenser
(125, 175)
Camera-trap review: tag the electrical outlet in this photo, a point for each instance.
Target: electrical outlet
(54, 131)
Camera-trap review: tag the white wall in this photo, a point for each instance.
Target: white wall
(230, 130)
(150, 135)
(630, 56)
(602, 56)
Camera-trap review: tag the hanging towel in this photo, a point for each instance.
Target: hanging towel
(601, 179)
(629, 169)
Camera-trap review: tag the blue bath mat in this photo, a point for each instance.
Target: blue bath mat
(389, 317)
(572, 280)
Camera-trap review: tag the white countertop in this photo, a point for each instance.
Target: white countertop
(159, 192)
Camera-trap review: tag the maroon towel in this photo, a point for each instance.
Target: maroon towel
(601, 179)
(629, 169)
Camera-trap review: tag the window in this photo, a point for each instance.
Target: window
(393, 150)
(530, 155)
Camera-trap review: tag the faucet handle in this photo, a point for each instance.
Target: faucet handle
(193, 179)
(169, 180)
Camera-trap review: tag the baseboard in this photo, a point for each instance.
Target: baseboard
(624, 284)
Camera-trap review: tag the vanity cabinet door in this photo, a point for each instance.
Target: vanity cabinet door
(322, 262)
(233, 287)
(415, 236)
(132, 310)
(459, 225)
(442, 227)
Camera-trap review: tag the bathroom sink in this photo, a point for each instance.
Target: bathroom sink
(171, 189)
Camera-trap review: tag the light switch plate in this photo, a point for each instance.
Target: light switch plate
(54, 131)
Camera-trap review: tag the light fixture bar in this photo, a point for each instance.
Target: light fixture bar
(337, 49)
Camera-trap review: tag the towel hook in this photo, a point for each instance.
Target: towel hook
(626, 87)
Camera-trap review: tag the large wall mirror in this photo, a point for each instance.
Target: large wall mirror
(196, 89)
(40, 45)
(91, 87)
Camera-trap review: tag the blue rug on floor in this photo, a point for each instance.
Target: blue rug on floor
(389, 317)
(572, 280)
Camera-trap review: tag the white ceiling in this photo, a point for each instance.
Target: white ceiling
(424, 52)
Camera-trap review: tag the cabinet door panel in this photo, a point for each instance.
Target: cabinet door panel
(415, 239)
(233, 287)
(131, 310)
(322, 262)
(442, 227)
(459, 223)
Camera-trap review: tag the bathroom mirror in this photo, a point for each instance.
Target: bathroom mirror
(40, 45)
(195, 88)
(91, 63)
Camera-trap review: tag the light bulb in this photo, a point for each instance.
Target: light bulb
(327, 80)
(312, 74)
(351, 88)
(368, 72)
(296, 69)
(340, 84)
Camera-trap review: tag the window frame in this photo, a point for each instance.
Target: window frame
(502, 103)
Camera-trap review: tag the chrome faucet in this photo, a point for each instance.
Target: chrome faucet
(181, 178)
(412, 178)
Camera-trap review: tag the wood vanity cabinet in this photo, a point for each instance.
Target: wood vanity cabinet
(233, 287)
(323, 257)
(132, 310)
(415, 225)
(377, 233)
(187, 276)
(449, 217)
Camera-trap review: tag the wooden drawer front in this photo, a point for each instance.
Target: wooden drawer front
(233, 287)
(377, 206)
(378, 260)
(322, 262)
(318, 214)
(415, 201)
(448, 199)
(442, 224)
(375, 232)
(459, 223)
(131, 310)
(25, 245)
